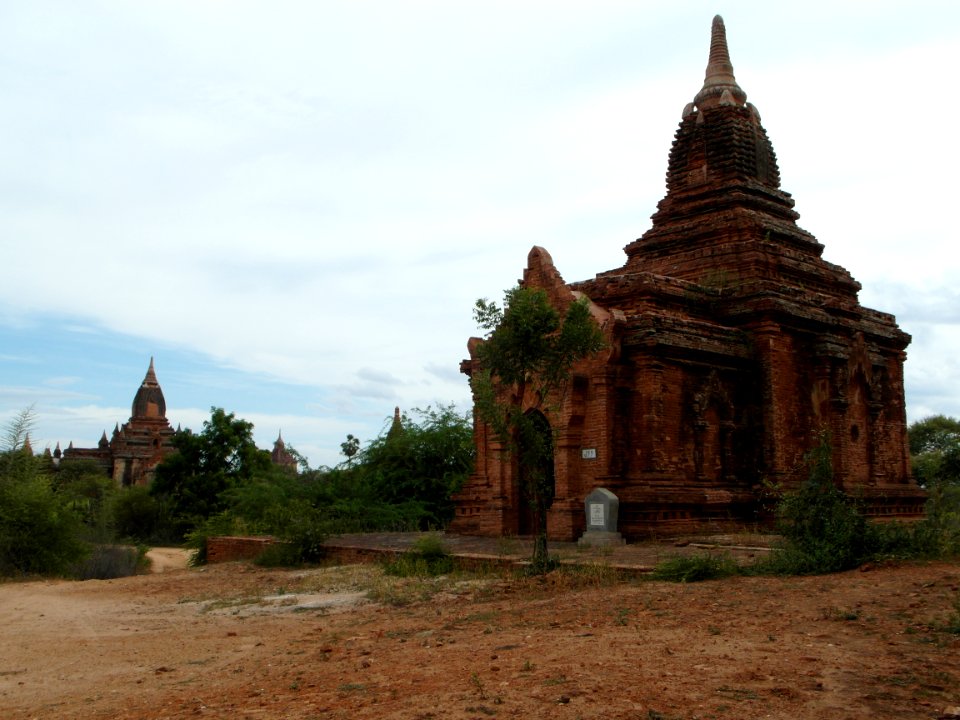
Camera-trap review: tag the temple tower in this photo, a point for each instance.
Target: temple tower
(734, 347)
(135, 449)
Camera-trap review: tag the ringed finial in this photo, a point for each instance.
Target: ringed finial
(150, 380)
(719, 85)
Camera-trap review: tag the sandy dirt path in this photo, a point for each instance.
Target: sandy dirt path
(164, 559)
(237, 641)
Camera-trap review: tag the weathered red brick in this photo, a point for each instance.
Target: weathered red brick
(732, 346)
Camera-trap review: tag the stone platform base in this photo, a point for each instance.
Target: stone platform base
(600, 538)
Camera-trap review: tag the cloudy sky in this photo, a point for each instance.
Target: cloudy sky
(292, 206)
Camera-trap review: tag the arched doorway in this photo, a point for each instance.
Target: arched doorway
(535, 469)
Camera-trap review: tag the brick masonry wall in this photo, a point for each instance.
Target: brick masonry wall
(226, 549)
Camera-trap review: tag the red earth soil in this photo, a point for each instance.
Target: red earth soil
(239, 641)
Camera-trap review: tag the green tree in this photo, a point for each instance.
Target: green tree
(935, 450)
(350, 448)
(86, 490)
(526, 361)
(422, 462)
(935, 460)
(17, 430)
(195, 478)
(138, 515)
(823, 530)
(39, 532)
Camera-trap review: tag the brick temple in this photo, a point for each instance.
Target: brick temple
(134, 450)
(732, 347)
(132, 453)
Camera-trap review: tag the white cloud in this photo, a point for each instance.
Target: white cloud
(317, 192)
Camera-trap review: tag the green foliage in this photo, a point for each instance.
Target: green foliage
(59, 521)
(938, 535)
(935, 450)
(935, 458)
(350, 447)
(17, 430)
(429, 557)
(823, 530)
(194, 480)
(936, 432)
(302, 528)
(422, 463)
(84, 489)
(106, 562)
(218, 482)
(223, 523)
(142, 517)
(39, 532)
(526, 361)
(695, 568)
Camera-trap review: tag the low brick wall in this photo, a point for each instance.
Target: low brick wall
(351, 555)
(225, 549)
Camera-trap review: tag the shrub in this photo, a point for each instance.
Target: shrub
(429, 557)
(823, 530)
(302, 528)
(38, 532)
(106, 562)
(695, 568)
(140, 516)
(940, 530)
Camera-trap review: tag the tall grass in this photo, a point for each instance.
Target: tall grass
(695, 568)
(429, 557)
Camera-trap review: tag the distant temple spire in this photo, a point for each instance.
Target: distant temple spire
(281, 456)
(396, 427)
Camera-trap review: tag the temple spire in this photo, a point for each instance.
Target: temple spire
(149, 402)
(150, 380)
(719, 85)
(396, 427)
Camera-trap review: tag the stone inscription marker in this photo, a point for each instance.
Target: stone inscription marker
(602, 507)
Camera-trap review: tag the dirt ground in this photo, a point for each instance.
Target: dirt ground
(238, 641)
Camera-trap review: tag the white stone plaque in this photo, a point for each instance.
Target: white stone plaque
(596, 514)
(589, 453)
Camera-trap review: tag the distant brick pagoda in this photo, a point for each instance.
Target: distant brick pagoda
(135, 449)
(282, 457)
(732, 346)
